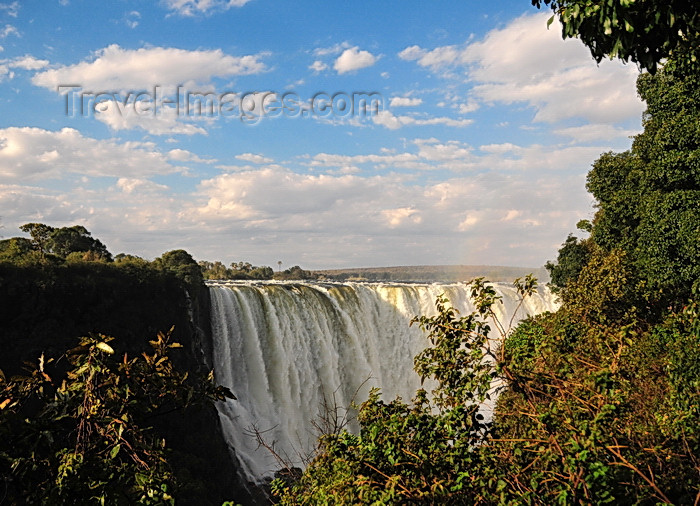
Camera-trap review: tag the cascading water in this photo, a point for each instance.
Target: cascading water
(288, 349)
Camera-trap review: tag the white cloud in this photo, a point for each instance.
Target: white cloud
(11, 9)
(318, 66)
(511, 215)
(470, 220)
(28, 62)
(401, 216)
(132, 19)
(525, 62)
(182, 155)
(253, 158)
(353, 59)
(118, 69)
(132, 185)
(379, 161)
(500, 203)
(334, 49)
(388, 120)
(194, 7)
(346, 215)
(587, 133)
(33, 154)
(470, 106)
(7, 31)
(405, 102)
(166, 122)
(435, 59)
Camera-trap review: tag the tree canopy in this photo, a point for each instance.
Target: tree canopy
(648, 198)
(60, 242)
(643, 31)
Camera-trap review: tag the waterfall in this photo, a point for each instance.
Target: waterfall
(285, 349)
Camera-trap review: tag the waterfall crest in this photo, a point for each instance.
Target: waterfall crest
(283, 348)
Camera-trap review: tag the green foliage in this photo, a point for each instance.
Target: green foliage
(44, 306)
(238, 270)
(181, 263)
(77, 239)
(87, 435)
(14, 249)
(644, 31)
(572, 257)
(648, 200)
(64, 241)
(295, 273)
(595, 413)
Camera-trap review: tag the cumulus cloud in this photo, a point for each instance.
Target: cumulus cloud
(524, 62)
(469, 106)
(116, 69)
(132, 185)
(377, 217)
(33, 154)
(353, 59)
(194, 7)
(500, 201)
(401, 216)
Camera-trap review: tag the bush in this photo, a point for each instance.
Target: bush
(87, 435)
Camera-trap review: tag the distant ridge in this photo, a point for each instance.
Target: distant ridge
(433, 273)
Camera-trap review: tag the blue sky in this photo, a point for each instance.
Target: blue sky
(484, 126)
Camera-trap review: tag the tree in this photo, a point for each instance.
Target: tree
(15, 248)
(61, 242)
(648, 198)
(644, 31)
(572, 257)
(76, 239)
(181, 263)
(40, 236)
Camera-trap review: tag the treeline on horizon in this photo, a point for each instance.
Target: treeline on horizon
(48, 245)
